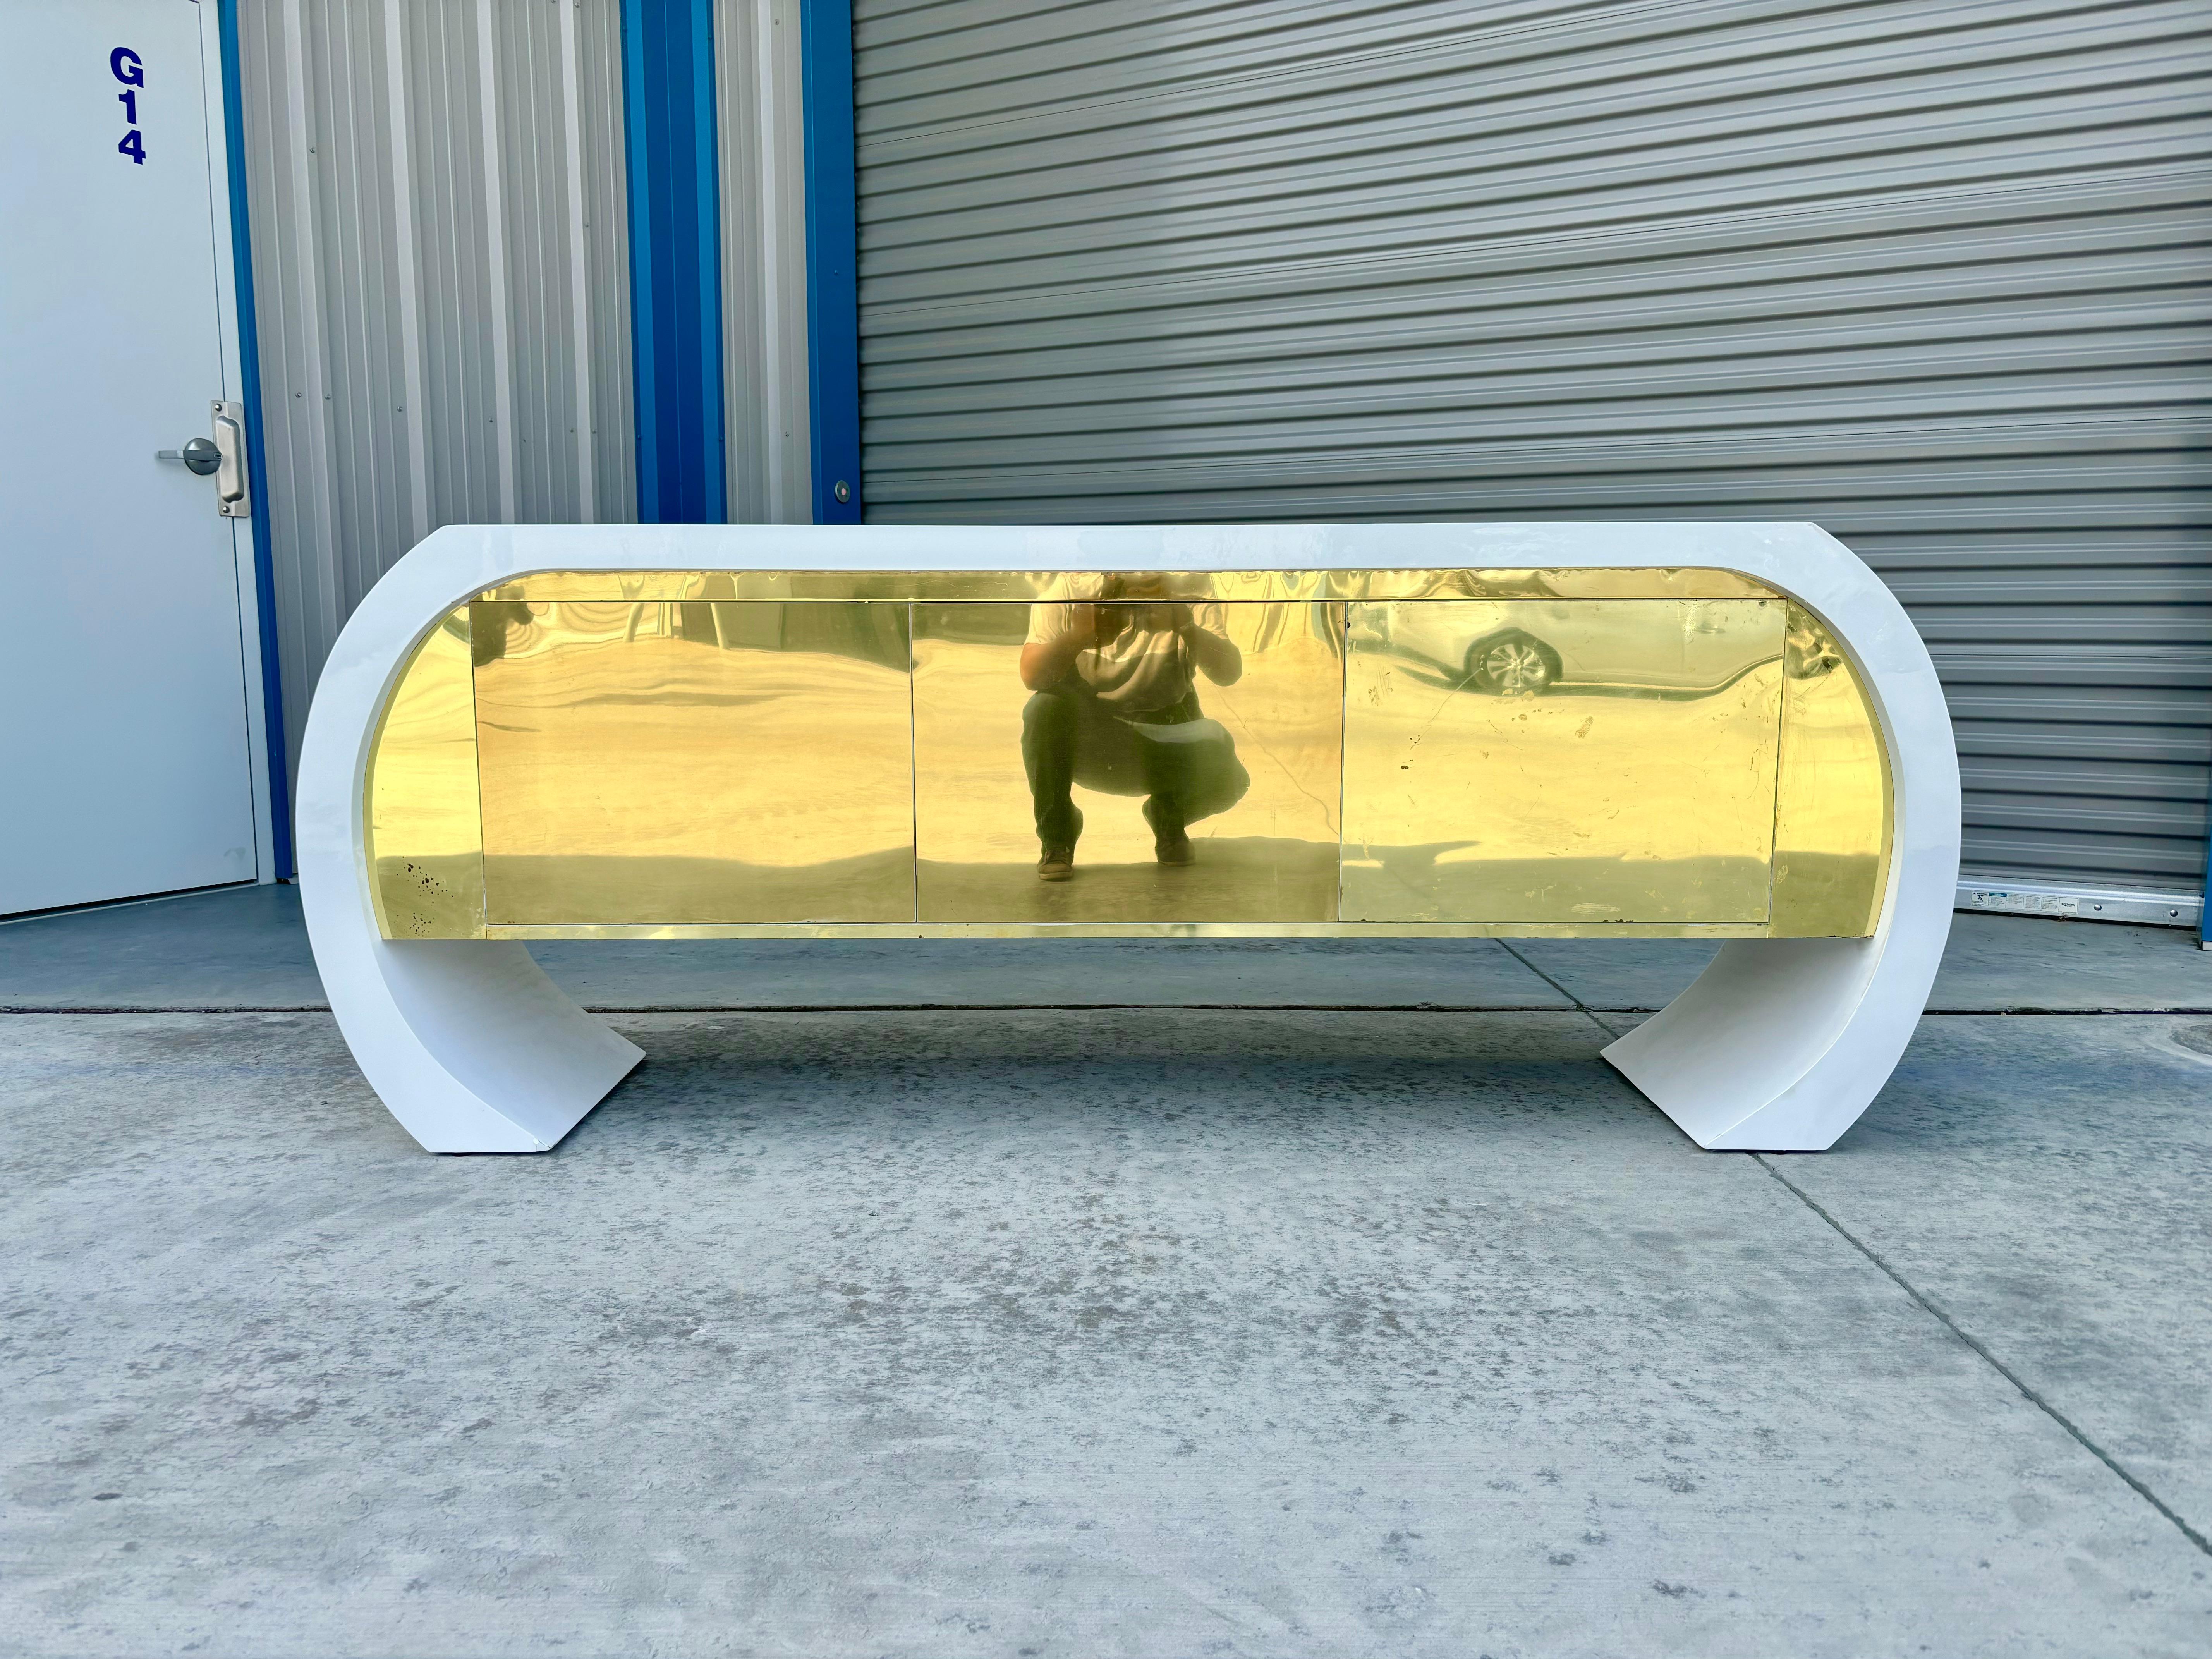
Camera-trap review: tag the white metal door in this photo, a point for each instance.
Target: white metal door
(126, 763)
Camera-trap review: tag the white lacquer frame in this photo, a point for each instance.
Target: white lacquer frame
(1779, 1046)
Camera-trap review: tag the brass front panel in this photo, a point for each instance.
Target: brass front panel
(1636, 751)
(425, 846)
(1586, 761)
(657, 762)
(1832, 807)
(1268, 854)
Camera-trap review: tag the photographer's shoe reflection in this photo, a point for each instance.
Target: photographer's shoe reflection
(1113, 670)
(1056, 861)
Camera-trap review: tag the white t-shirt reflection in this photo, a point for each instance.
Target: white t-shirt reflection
(1146, 666)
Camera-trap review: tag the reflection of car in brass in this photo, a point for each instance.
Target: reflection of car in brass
(1521, 647)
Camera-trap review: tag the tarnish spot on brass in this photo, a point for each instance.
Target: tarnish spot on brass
(425, 840)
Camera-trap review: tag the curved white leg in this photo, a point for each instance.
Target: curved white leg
(466, 1040)
(1780, 1044)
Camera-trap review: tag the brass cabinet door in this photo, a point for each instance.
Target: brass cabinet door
(1256, 761)
(1561, 761)
(694, 761)
(1831, 810)
(425, 822)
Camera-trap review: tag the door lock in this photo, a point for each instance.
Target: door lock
(222, 455)
(199, 456)
(231, 499)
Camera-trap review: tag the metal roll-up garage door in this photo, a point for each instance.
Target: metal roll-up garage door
(1931, 275)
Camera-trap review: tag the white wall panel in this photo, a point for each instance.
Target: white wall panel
(1931, 272)
(439, 214)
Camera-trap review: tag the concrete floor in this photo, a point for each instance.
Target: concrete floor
(857, 1322)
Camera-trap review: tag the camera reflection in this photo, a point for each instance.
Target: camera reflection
(1113, 673)
(1126, 749)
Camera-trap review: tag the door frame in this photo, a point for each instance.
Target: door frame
(222, 94)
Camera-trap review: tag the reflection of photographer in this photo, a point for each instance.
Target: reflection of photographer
(1116, 709)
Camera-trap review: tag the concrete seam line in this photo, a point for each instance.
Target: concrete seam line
(1506, 946)
(2003, 1370)
(1597, 1014)
(1996, 1013)
(170, 1008)
(2054, 1013)
(1076, 1008)
(881, 1008)
(1582, 1007)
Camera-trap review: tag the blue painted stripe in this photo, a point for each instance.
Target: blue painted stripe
(675, 259)
(833, 293)
(257, 466)
(2204, 927)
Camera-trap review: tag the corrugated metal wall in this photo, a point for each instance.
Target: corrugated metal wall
(1931, 274)
(439, 214)
(757, 104)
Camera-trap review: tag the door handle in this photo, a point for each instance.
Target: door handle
(231, 497)
(224, 455)
(199, 456)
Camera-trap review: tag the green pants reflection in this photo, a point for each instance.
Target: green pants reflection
(1184, 764)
